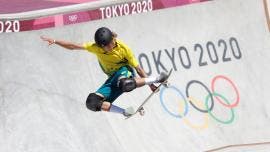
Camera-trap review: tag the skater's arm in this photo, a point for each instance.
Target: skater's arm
(141, 72)
(69, 45)
(64, 44)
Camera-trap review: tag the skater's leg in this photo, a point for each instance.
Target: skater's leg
(150, 80)
(140, 82)
(95, 102)
(109, 107)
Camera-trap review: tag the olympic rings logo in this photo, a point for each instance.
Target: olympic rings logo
(205, 107)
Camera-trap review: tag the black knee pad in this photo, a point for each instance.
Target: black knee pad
(127, 84)
(94, 102)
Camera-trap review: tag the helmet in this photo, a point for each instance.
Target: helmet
(103, 36)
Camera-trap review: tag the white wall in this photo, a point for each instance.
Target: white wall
(43, 89)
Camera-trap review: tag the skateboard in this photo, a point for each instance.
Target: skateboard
(140, 108)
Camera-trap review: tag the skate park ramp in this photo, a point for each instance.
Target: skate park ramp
(218, 97)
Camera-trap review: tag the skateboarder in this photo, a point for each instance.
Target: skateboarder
(117, 61)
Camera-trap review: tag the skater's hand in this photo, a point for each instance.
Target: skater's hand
(153, 87)
(49, 40)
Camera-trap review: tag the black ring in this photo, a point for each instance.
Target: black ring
(193, 105)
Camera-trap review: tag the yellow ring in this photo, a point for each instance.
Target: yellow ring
(206, 117)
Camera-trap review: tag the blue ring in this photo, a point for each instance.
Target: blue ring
(164, 106)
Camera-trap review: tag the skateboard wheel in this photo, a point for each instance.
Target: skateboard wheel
(142, 111)
(166, 85)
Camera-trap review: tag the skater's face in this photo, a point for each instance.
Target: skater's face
(110, 46)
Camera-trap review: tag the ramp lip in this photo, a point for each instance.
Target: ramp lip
(238, 145)
(62, 10)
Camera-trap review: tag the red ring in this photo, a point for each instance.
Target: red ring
(219, 100)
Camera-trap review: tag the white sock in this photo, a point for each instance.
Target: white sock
(116, 109)
(150, 80)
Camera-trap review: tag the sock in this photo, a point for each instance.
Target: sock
(116, 109)
(150, 80)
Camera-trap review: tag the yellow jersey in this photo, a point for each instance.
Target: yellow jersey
(110, 62)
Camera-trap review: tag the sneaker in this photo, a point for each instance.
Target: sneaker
(129, 112)
(162, 77)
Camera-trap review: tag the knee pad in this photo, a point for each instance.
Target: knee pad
(94, 102)
(127, 84)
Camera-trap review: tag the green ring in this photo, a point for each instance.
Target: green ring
(209, 111)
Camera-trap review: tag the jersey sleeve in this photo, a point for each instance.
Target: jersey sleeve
(89, 46)
(132, 61)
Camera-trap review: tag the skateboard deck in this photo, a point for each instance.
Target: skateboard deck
(140, 108)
